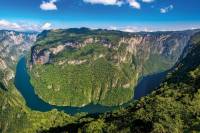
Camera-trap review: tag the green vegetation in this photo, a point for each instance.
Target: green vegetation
(52, 38)
(1, 80)
(80, 66)
(156, 63)
(16, 117)
(174, 107)
(96, 80)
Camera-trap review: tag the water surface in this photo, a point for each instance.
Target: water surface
(148, 83)
(22, 83)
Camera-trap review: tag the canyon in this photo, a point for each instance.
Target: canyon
(111, 63)
(13, 45)
(128, 57)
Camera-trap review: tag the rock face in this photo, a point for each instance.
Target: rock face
(12, 45)
(99, 66)
(174, 101)
(3, 65)
(152, 50)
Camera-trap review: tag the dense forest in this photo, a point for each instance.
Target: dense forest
(173, 107)
(75, 67)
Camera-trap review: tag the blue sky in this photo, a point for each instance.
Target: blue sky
(127, 15)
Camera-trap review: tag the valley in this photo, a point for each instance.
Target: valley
(22, 83)
(99, 66)
(111, 63)
(20, 100)
(12, 46)
(173, 107)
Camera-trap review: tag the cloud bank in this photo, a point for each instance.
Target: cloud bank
(23, 26)
(26, 26)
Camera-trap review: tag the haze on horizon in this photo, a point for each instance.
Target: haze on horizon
(125, 15)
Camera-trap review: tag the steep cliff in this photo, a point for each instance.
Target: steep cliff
(12, 45)
(174, 107)
(81, 66)
(15, 116)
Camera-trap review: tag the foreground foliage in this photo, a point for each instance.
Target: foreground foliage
(16, 117)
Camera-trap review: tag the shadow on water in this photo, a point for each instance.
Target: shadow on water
(149, 83)
(22, 83)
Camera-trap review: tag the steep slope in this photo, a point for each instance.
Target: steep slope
(174, 107)
(12, 45)
(15, 116)
(80, 66)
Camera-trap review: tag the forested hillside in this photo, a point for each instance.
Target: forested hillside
(174, 107)
(80, 66)
(15, 116)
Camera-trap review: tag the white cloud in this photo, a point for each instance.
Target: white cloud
(147, 1)
(24, 26)
(112, 28)
(134, 29)
(129, 30)
(105, 2)
(134, 4)
(166, 9)
(49, 5)
(4, 24)
(46, 26)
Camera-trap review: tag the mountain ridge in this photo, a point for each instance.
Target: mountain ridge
(173, 107)
(117, 59)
